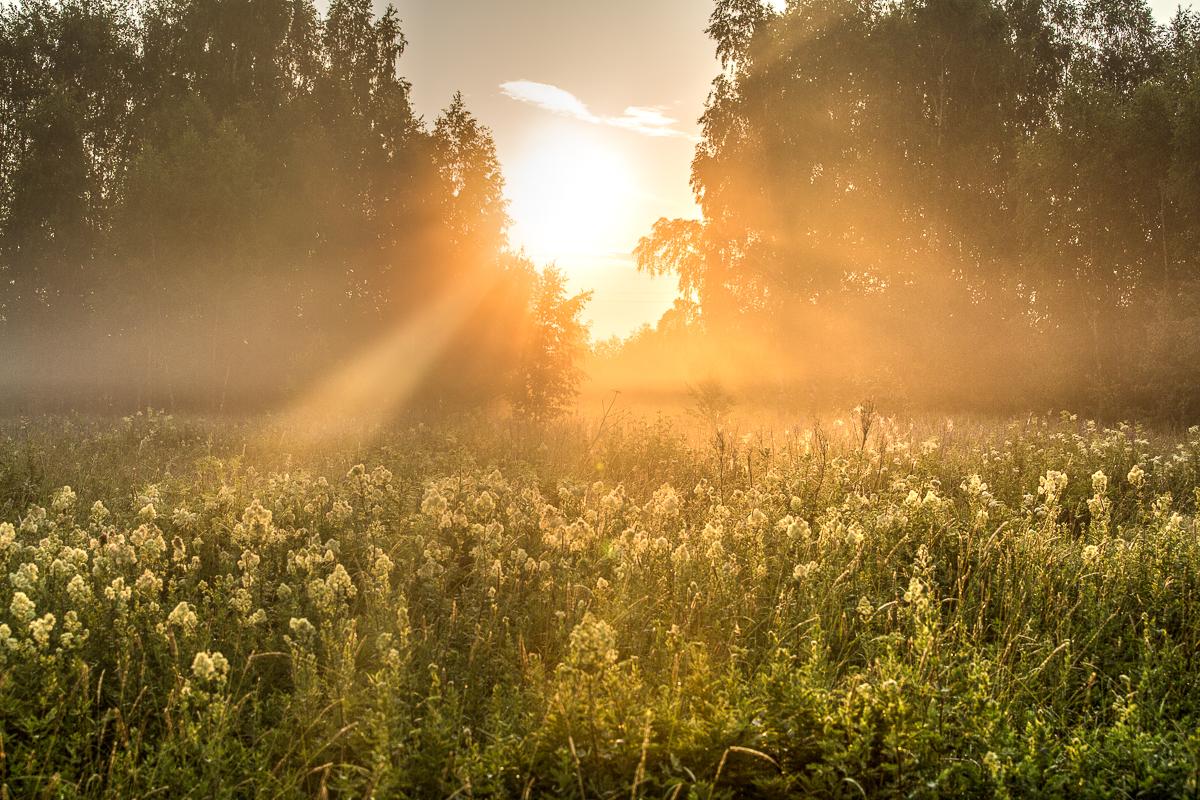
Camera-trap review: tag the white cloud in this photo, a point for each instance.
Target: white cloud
(649, 116)
(551, 98)
(638, 119)
(648, 121)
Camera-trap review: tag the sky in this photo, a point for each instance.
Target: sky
(594, 108)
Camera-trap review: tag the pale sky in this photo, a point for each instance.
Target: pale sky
(593, 106)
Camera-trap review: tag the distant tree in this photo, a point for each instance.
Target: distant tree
(676, 246)
(732, 25)
(212, 192)
(547, 376)
(991, 192)
(49, 233)
(476, 212)
(67, 110)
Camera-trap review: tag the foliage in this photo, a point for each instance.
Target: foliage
(918, 608)
(260, 156)
(977, 193)
(547, 377)
(467, 163)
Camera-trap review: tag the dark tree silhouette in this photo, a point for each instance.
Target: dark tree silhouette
(994, 198)
(210, 200)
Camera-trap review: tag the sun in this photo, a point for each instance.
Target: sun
(571, 198)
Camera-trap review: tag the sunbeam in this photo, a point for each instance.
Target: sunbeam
(377, 382)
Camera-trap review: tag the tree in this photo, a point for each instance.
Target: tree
(476, 211)
(547, 377)
(67, 110)
(235, 191)
(996, 193)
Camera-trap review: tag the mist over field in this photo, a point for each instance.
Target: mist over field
(322, 475)
(945, 205)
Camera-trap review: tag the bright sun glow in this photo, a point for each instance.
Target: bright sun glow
(571, 197)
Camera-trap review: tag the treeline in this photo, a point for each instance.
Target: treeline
(990, 202)
(212, 202)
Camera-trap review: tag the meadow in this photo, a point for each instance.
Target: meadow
(864, 607)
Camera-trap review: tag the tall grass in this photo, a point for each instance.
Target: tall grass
(869, 608)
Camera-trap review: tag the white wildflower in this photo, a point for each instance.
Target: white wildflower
(118, 591)
(99, 513)
(802, 571)
(210, 666)
(1052, 484)
(25, 578)
(41, 628)
(63, 500)
(149, 585)
(21, 607)
(74, 634)
(485, 504)
(916, 591)
(433, 504)
(79, 591)
(183, 616)
(1136, 476)
(301, 627)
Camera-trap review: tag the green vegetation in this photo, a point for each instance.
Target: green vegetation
(213, 204)
(874, 607)
(984, 203)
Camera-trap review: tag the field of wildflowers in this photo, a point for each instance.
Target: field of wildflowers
(906, 608)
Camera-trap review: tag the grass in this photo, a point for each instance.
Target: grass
(875, 607)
